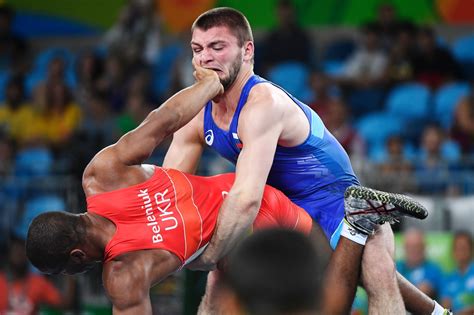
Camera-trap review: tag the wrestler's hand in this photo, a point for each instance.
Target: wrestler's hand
(208, 76)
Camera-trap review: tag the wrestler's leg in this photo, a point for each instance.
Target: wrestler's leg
(379, 253)
(342, 276)
(366, 208)
(212, 301)
(379, 274)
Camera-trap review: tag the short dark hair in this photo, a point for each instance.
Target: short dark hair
(275, 272)
(51, 237)
(233, 19)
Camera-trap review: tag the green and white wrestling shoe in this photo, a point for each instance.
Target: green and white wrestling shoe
(365, 208)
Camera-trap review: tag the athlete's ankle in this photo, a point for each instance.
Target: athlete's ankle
(439, 310)
(353, 234)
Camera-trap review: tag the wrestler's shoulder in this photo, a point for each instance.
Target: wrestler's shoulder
(266, 98)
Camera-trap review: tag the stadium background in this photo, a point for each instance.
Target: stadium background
(40, 170)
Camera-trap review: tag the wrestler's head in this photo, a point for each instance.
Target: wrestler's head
(274, 272)
(55, 244)
(222, 40)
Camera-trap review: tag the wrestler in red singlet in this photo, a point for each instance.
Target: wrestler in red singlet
(178, 212)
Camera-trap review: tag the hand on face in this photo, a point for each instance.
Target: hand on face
(202, 74)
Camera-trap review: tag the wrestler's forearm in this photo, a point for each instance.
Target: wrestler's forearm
(234, 222)
(141, 308)
(187, 103)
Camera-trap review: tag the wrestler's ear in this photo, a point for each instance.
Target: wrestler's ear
(77, 256)
(248, 51)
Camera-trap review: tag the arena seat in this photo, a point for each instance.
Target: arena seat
(293, 77)
(410, 100)
(375, 128)
(445, 101)
(463, 49)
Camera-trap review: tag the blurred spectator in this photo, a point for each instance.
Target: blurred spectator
(6, 156)
(338, 123)
(433, 65)
(367, 64)
(16, 116)
(435, 162)
(182, 70)
(259, 264)
(96, 131)
(423, 273)
(136, 111)
(395, 162)
(400, 61)
(113, 83)
(387, 22)
(98, 126)
(396, 170)
(60, 116)
(463, 126)
(324, 93)
(89, 70)
(136, 34)
(288, 41)
(140, 85)
(23, 292)
(13, 48)
(458, 287)
(56, 70)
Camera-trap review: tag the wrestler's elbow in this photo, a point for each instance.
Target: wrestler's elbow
(126, 303)
(127, 293)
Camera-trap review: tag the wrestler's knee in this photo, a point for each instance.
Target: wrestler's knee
(381, 243)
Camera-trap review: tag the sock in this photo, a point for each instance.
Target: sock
(354, 235)
(438, 309)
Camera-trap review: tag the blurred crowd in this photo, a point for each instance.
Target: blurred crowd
(398, 97)
(455, 289)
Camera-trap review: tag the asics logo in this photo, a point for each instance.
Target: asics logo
(352, 231)
(209, 137)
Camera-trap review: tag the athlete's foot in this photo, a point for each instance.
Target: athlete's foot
(365, 208)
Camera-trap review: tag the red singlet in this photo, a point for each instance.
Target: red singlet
(178, 212)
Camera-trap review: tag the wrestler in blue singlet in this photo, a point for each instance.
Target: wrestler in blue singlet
(314, 174)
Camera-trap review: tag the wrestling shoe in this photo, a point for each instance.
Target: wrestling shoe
(365, 208)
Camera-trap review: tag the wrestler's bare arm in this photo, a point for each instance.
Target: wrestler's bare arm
(128, 278)
(260, 127)
(187, 146)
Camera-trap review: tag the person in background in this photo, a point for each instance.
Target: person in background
(266, 260)
(276, 46)
(366, 66)
(400, 55)
(458, 287)
(325, 93)
(435, 162)
(387, 21)
(338, 122)
(14, 49)
(23, 292)
(16, 116)
(423, 273)
(463, 124)
(433, 65)
(395, 167)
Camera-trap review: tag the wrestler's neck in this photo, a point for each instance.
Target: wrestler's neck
(231, 95)
(99, 231)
